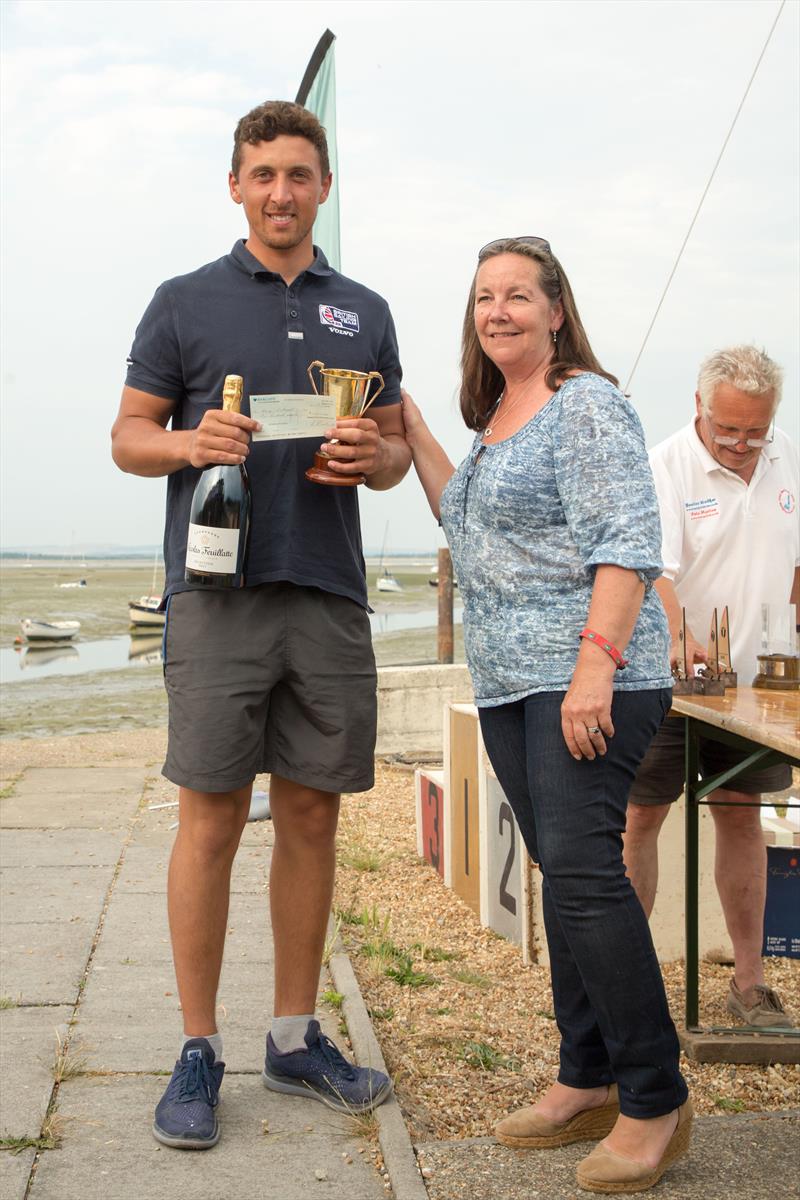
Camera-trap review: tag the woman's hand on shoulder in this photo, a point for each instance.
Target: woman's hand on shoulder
(413, 419)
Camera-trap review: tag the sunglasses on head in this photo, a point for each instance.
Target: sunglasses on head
(539, 242)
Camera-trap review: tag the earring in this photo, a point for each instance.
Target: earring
(555, 337)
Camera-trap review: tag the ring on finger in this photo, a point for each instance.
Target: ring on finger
(592, 729)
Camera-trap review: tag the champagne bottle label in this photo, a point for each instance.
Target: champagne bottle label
(212, 550)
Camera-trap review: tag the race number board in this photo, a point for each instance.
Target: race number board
(431, 820)
(462, 804)
(505, 867)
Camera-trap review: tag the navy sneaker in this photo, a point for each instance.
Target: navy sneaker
(185, 1115)
(323, 1072)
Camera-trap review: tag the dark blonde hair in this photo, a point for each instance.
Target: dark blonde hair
(481, 381)
(271, 120)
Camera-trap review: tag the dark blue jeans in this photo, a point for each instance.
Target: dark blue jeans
(608, 994)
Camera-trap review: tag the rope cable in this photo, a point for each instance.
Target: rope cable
(702, 198)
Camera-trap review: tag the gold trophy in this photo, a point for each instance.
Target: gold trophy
(350, 390)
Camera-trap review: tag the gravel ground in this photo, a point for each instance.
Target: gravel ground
(466, 1029)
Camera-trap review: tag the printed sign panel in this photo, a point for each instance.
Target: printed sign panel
(462, 807)
(505, 907)
(431, 818)
(782, 911)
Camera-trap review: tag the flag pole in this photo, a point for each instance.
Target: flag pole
(317, 93)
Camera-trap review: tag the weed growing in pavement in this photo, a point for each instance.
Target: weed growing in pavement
(335, 999)
(48, 1139)
(68, 1063)
(484, 1056)
(7, 1002)
(330, 942)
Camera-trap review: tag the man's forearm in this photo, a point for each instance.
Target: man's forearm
(395, 468)
(142, 447)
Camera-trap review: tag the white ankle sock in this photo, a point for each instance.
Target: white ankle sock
(214, 1040)
(289, 1033)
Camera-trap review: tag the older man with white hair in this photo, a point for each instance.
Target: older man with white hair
(727, 487)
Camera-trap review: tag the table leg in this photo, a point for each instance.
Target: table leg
(692, 875)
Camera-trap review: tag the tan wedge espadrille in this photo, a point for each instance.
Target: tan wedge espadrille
(527, 1130)
(605, 1171)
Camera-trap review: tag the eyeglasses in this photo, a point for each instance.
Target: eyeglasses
(753, 443)
(539, 242)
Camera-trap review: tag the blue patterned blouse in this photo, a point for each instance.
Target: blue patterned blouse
(530, 518)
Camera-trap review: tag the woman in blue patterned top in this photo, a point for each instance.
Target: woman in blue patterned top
(552, 520)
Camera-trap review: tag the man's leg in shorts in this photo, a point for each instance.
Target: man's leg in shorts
(658, 784)
(198, 893)
(740, 872)
(300, 889)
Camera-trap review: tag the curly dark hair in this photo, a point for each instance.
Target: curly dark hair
(271, 120)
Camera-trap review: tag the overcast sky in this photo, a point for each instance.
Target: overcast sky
(593, 124)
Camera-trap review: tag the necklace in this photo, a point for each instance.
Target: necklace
(489, 430)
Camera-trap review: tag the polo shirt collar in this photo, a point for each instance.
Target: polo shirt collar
(249, 263)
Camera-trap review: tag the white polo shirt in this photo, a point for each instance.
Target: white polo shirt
(726, 541)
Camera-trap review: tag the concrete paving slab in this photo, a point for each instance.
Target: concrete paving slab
(59, 848)
(80, 781)
(70, 810)
(129, 1018)
(43, 964)
(144, 868)
(28, 1048)
(136, 927)
(752, 1155)
(14, 1172)
(109, 1151)
(51, 894)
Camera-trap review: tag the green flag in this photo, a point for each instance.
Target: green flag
(318, 94)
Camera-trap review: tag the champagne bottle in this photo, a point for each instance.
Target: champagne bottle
(219, 520)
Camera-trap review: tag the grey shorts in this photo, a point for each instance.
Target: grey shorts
(273, 678)
(661, 774)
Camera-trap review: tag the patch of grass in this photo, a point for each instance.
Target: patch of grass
(330, 942)
(129, 962)
(472, 978)
(7, 1002)
(435, 953)
(382, 948)
(335, 999)
(729, 1105)
(68, 1062)
(440, 1012)
(7, 791)
(360, 857)
(50, 1137)
(484, 1056)
(403, 973)
(543, 1012)
(382, 1014)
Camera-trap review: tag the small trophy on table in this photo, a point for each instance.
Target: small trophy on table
(682, 680)
(713, 678)
(350, 391)
(779, 662)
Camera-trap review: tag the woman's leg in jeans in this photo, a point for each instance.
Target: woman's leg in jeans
(504, 736)
(596, 930)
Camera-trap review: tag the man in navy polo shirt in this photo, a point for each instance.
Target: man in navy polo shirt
(279, 675)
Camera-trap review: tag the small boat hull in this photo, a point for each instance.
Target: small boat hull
(48, 631)
(145, 613)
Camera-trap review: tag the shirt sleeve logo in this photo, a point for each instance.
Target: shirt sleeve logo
(786, 500)
(339, 320)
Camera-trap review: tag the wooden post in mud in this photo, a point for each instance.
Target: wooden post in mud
(445, 568)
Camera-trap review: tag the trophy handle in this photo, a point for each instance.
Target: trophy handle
(372, 375)
(315, 363)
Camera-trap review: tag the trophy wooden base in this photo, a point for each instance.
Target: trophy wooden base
(778, 672)
(321, 473)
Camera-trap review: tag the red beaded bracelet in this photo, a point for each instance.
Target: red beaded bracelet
(592, 636)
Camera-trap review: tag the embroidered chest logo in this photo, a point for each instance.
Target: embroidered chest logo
(698, 510)
(339, 320)
(786, 500)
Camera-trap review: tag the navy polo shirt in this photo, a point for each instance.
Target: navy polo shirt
(234, 317)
